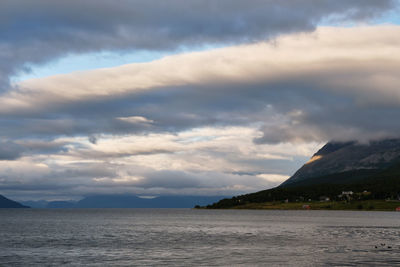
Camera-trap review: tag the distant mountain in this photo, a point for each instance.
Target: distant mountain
(36, 204)
(44, 204)
(61, 204)
(127, 201)
(8, 203)
(349, 166)
(335, 159)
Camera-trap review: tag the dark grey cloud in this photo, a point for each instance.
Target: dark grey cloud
(39, 31)
(10, 150)
(93, 139)
(42, 146)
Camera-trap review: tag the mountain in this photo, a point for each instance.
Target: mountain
(44, 204)
(61, 205)
(361, 160)
(8, 203)
(36, 204)
(371, 171)
(127, 201)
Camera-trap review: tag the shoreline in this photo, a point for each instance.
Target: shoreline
(355, 205)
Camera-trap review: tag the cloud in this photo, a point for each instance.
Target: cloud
(292, 94)
(93, 139)
(34, 33)
(115, 165)
(10, 150)
(38, 146)
(135, 119)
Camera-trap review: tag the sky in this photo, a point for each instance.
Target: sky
(181, 97)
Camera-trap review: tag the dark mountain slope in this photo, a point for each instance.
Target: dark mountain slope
(7, 203)
(340, 158)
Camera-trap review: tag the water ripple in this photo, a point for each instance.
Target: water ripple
(169, 237)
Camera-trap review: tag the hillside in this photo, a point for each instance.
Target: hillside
(6, 203)
(370, 171)
(362, 159)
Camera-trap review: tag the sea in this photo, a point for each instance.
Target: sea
(189, 237)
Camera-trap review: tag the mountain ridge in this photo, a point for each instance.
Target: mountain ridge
(341, 157)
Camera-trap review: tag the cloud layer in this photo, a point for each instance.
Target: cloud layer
(229, 120)
(292, 94)
(36, 32)
(196, 162)
(168, 126)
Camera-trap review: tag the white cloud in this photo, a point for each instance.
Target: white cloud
(277, 178)
(135, 119)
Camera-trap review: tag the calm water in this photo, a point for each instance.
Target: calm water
(131, 237)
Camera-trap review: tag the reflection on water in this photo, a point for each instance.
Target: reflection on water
(181, 237)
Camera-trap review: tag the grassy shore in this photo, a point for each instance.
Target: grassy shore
(370, 205)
